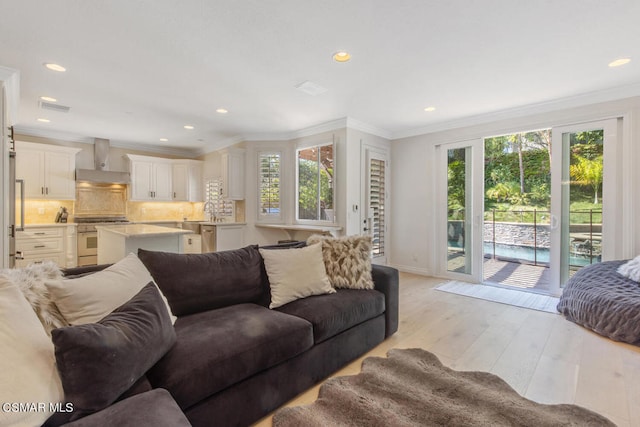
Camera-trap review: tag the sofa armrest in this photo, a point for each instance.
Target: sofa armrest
(386, 281)
(155, 408)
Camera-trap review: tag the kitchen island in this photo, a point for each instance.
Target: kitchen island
(117, 241)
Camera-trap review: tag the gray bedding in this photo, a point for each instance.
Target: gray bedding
(599, 298)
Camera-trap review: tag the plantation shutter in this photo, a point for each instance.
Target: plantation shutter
(377, 170)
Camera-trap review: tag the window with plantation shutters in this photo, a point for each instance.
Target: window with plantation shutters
(269, 185)
(377, 195)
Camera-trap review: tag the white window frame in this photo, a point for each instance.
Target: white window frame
(297, 186)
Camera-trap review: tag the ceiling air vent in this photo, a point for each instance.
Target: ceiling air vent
(54, 107)
(311, 88)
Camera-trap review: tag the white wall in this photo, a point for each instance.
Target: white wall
(347, 143)
(413, 177)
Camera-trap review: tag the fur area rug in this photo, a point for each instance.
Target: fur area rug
(412, 388)
(31, 281)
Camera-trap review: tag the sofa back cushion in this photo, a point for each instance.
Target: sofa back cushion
(194, 283)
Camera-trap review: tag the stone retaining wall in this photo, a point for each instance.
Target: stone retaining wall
(518, 234)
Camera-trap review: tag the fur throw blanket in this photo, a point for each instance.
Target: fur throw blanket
(31, 281)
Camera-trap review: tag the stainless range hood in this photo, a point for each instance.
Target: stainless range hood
(101, 174)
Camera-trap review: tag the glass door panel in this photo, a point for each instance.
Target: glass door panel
(460, 166)
(583, 198)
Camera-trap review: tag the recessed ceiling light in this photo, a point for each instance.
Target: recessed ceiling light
(222, 111)
(619, 62)
(163, 139)
(55, 67)
(430, 109)
(341, 56)
(48, 99)
(44, 120)
(189, 127)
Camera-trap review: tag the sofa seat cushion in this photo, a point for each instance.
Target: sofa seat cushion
(334, 313)
(154, 408)
(217, 348)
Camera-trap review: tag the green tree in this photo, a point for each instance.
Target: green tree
(588, 172)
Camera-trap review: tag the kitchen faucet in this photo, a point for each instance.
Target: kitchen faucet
(209, 207)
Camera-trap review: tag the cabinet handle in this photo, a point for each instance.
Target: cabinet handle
(46, 190)
(40, 233)
(174, 194)
(39, 246)
(41, 190)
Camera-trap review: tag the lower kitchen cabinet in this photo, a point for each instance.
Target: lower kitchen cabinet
(37, 244)
(229, 237)
(192, 243)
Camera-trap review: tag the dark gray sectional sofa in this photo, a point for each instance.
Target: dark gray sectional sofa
(235, 360)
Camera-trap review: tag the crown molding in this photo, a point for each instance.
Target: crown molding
(368, 128)
(613, 94)
(71, 137)
(52, 134)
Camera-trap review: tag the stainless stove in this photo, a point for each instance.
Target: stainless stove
(88, 236)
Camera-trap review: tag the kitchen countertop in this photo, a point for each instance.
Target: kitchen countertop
(142, 230)
(51, 224)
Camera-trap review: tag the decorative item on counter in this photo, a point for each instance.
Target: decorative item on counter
(59, 214)
(64, 215)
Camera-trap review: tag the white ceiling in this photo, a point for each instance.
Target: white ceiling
(138, 71)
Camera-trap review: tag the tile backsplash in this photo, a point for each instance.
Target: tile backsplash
(158, 211)
(111, 200)
(44, 211)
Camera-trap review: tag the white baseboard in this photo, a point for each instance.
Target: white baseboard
(414, 270)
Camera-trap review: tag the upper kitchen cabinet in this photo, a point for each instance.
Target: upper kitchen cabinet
(47, 170)
(233, 174)
(187, 181)
(151, 178)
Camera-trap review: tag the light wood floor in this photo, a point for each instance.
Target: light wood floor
(541, 355)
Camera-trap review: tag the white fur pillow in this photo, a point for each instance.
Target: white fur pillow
(31, 281)
(295, 274)
(631, 269)
(90, 298)
(347, 260)
(28, 371)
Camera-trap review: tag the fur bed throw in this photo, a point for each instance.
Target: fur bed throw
(31, 281)
(631, 269)
(347, 260)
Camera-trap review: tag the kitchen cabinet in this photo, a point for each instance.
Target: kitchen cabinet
(229, 236)
(187, 181)
(150, 178)
(48, 170)
(233, 174)
(37, 244)
(192, 243)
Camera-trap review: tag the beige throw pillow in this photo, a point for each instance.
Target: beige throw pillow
(295, 273)
(90, 298)
(28, 373)
(347, 260)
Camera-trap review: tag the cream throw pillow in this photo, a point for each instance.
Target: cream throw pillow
(347, 260)
(28, 371)
(295, 273)
(90, 298)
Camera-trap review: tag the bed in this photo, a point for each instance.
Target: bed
(599, 298)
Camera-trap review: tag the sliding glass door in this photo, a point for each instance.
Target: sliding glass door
(460, 209)
(584, 198)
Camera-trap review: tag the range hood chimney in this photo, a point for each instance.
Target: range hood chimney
(101, 174)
